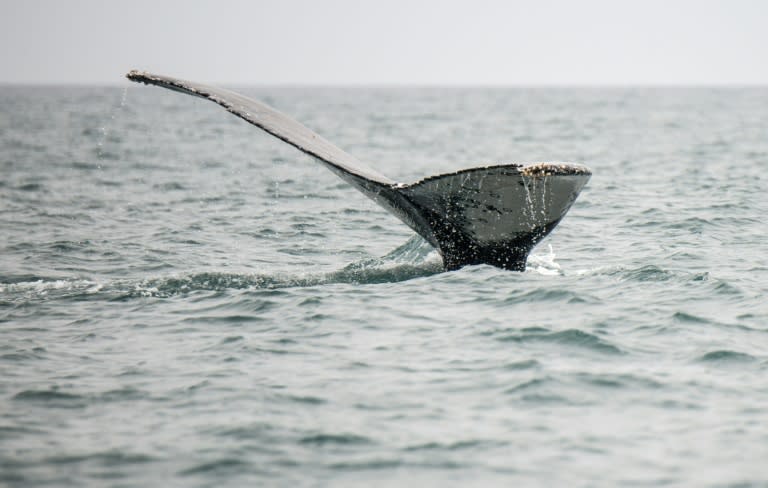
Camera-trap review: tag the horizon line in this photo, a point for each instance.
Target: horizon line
(295, 84)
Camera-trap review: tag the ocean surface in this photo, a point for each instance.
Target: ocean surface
(187, 301)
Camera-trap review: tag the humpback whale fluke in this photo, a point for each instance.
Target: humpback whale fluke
(486, 215)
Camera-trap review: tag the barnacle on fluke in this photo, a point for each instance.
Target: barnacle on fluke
(483, 215)
(553, 169)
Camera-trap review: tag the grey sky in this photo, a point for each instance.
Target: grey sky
(392, 41)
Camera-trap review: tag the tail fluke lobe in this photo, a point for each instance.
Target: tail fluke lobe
(496, 214)
(268, 119)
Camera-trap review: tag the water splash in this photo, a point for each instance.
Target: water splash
(528, 209)
(38, 289)
(105, 130)
(414, 259)
(544, 264)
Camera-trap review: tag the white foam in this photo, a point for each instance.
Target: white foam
(544, 264)
(43, 287)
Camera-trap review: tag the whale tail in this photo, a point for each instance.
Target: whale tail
(486, 215)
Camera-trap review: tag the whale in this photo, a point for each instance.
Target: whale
(493, 214)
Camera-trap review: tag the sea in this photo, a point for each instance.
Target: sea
(187, 301)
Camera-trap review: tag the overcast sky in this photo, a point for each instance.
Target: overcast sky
(387, 41)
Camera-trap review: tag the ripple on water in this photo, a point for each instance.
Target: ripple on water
(569, 337)
(225, 466)
(646, 273)
(541, 390)
(690, 318)
(20, 355)
(30, 187)
(549, 294)
(456, 445)
(368, 464)
(51, 398)
(18, 431)
(618, 381)
(306, 399)
(725, 357)
(108, 458)
(338, 439)
(521, 365)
